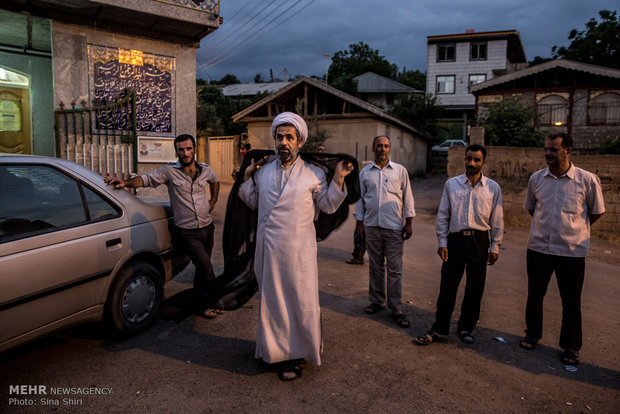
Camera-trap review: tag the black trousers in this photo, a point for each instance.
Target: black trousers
(469, 254)
(198, 245)
(569, 273)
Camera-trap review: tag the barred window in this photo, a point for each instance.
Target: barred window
(605, 109)
(552, 110)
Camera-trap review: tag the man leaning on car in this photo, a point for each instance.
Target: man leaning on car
(187, 182)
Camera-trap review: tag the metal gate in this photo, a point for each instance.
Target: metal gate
(102, 138)
(222, 157)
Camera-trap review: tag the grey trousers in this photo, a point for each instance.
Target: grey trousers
(382, 244)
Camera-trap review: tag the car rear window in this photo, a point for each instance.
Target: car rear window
(38, 198)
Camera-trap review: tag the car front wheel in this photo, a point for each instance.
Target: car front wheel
(135, 298)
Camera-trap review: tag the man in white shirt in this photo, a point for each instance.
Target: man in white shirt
(564, 201)
(187, 181)
(384, 215)
(470, 226)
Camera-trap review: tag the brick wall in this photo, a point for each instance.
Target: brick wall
(511, 167)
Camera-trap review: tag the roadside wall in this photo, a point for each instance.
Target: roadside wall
(511, 167)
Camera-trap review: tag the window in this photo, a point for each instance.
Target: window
(474, 79)
(552, 110)
(478, 51)
(446, 52)
(605, 110)
(445, 84)
(38, 199)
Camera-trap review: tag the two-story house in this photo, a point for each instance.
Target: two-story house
(455, 62)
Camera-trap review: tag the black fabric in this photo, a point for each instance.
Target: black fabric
(237, 284)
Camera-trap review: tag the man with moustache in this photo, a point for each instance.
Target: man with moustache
(187, 181)
(470, 226)
(285, 191)
(384, 215)
(564, 201)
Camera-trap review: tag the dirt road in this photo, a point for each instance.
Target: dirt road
(369, 364)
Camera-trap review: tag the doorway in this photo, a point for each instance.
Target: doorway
(15, 136)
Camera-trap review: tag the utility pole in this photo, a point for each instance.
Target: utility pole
(327, 66)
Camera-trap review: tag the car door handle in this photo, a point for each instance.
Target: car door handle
(113, 243)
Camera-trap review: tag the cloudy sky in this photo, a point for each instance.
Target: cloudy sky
(292, 36)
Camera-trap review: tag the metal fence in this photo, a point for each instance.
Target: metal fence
(102, 138)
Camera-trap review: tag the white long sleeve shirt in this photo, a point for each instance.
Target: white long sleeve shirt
(464, 207)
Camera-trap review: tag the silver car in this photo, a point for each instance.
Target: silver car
(74, 250)
(445, 146)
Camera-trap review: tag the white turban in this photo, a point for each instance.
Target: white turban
(293, 119)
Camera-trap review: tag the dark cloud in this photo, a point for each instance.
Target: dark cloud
(397, 28)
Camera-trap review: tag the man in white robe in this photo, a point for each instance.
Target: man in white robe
(285, 190)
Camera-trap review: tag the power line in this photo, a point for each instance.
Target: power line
(237, 34)
(212, 63)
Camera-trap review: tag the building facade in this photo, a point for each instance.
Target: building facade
(576, 98)
(79, 53)
(349, 123)
(455, 62)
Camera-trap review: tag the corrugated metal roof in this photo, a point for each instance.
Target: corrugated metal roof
(371, 82)
(336, 92)
(552, 64)
(251, 89)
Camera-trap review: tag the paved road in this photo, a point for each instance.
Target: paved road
(369, 364)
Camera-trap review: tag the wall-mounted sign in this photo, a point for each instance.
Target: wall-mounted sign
(10, 115)
(113, 71)
(152, 149)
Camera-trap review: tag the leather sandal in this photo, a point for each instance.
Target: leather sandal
(355, 261)
(528, 343)
(373, 308)
(290, 370)
(466, 337)
(401, 320)
(569, 357)
(210, 314)
(428, 338)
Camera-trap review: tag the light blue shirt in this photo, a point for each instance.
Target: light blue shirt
(386, 199)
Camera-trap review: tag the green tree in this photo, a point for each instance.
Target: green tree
(215, 111)
(413, 78)
(316, 135)
(211, 105)
(538, 60)
(509, 123)
(358, 59)
(610, 145)
(228, 80)
(420, 111)
(599, 44)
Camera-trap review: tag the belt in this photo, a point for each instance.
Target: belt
(470, 233)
